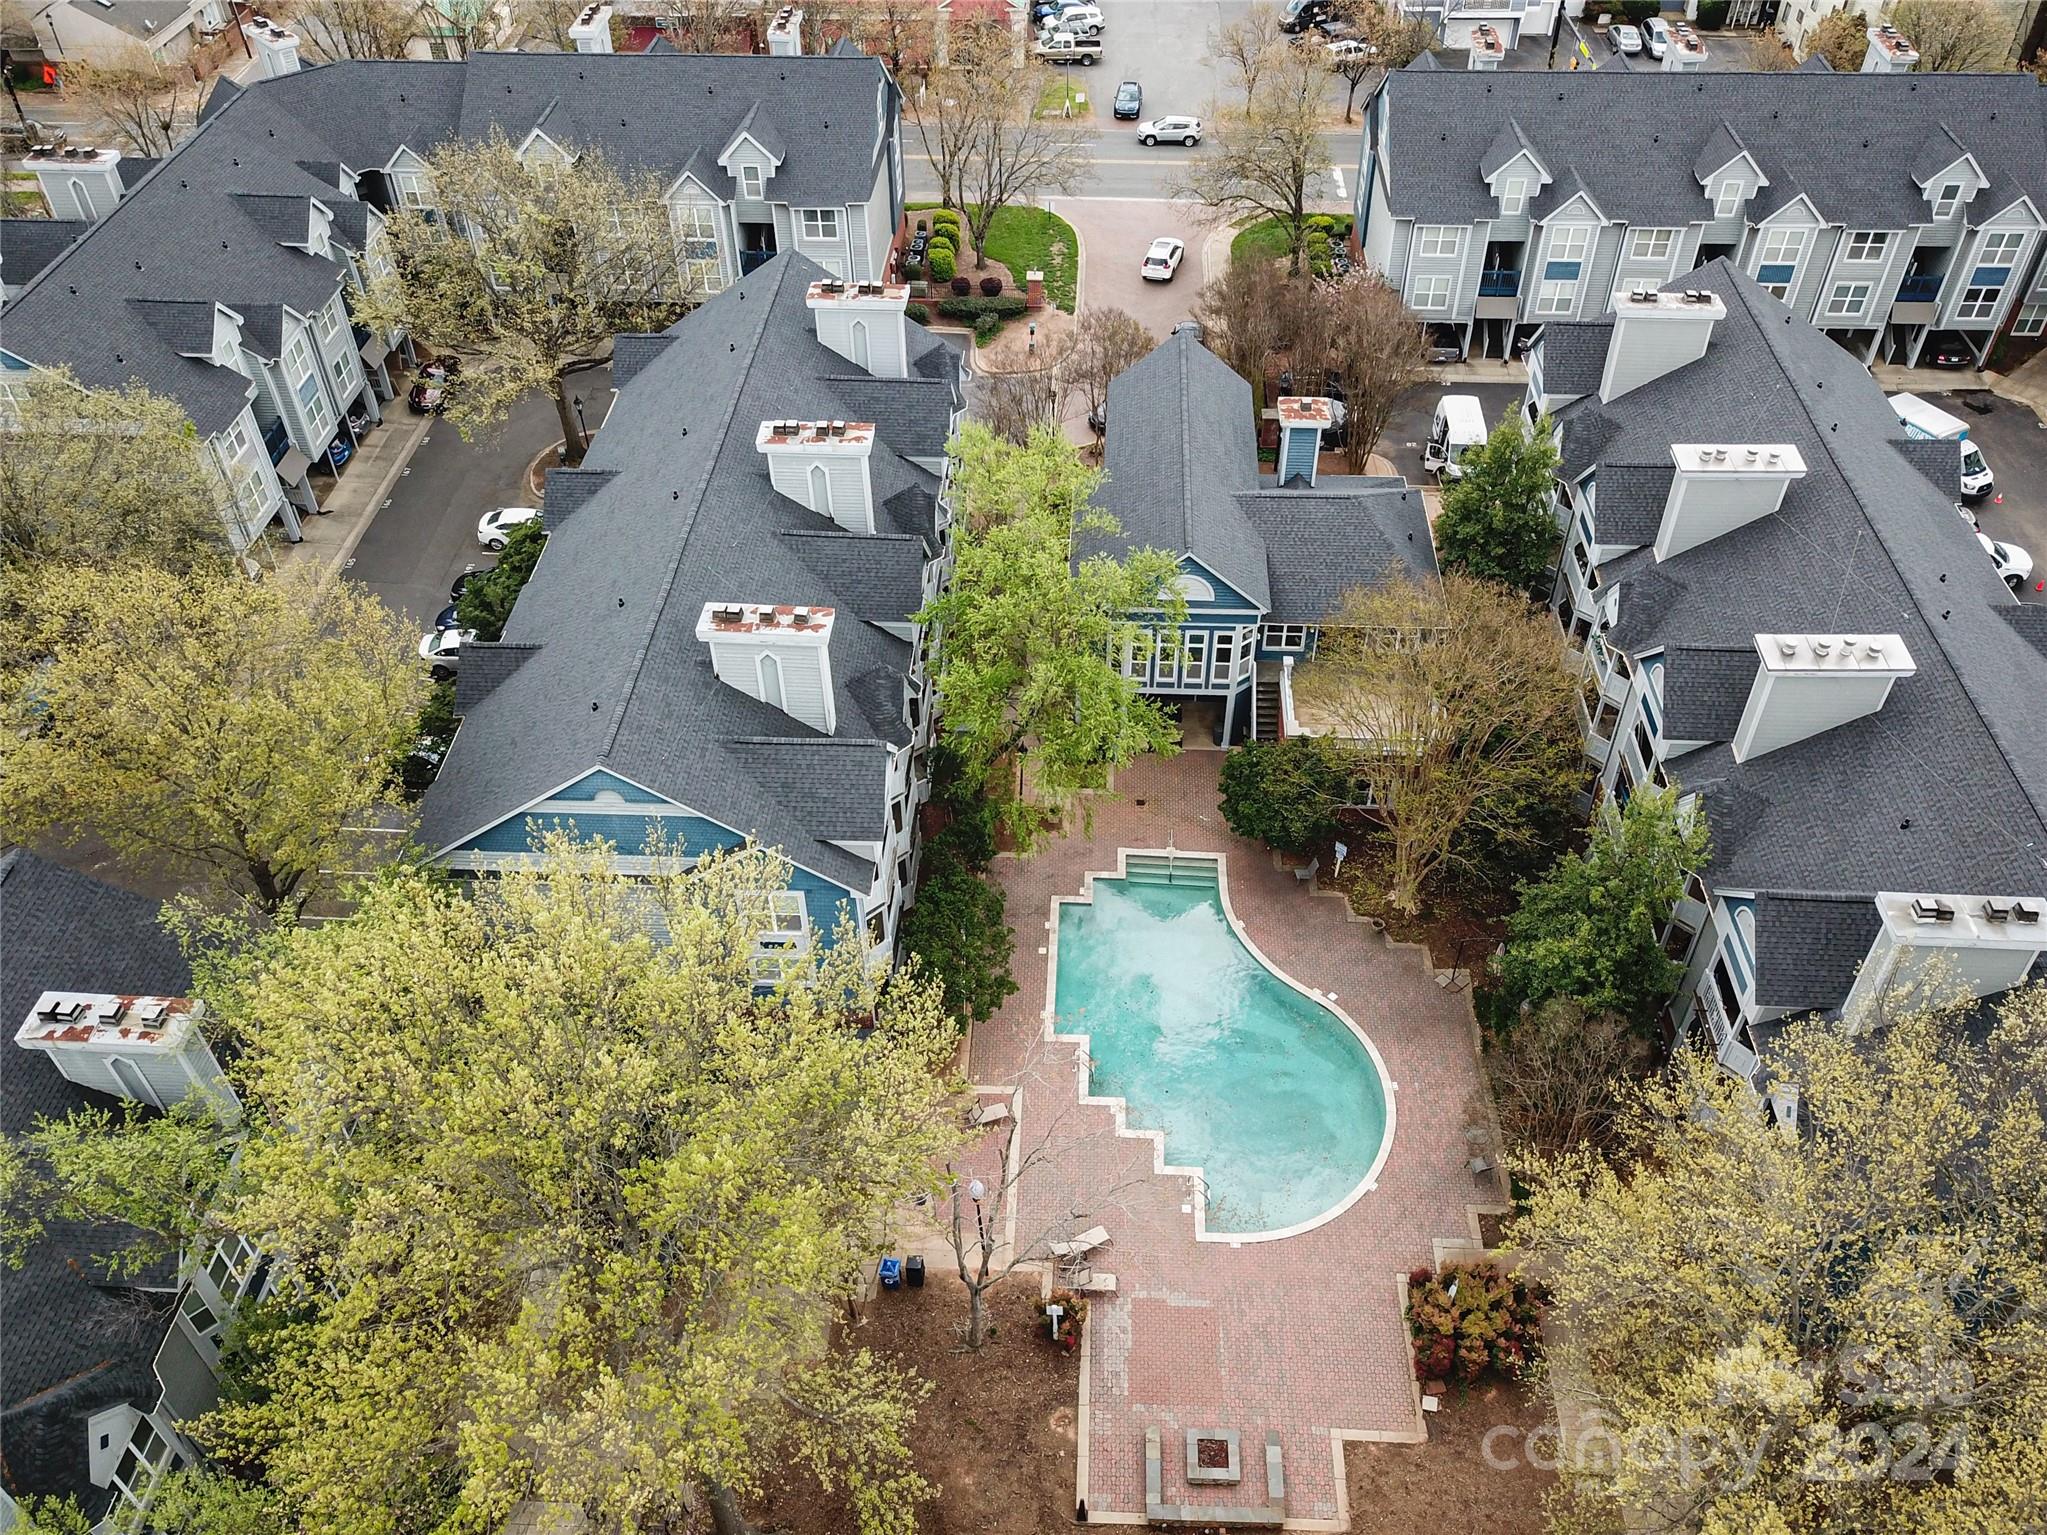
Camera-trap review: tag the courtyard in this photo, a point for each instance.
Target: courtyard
(1296, 1333)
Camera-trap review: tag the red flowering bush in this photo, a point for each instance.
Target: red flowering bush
(1072, 1317)
(1470, 1319)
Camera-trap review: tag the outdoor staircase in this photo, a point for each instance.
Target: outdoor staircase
(1171, 869)
(1266, 713)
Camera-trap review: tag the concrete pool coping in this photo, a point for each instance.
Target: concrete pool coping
(1119, 1107)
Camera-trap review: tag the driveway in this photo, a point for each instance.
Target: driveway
(2014, 443)
(1114, 235)
(427, 535)
(1408, 427)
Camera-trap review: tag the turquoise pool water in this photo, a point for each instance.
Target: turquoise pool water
(1265, 1089)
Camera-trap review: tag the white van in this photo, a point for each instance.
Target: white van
(1923, 418)
(1458, 428)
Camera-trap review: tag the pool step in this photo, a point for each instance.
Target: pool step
(1160, 869)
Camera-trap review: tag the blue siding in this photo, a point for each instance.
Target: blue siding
(689, 836)
(1299, 447)
(597, 782)
(1227, 597)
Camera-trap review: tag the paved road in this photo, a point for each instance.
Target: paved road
(427, 535)
(1114, 235)
(1408, 428)
(2015, 444)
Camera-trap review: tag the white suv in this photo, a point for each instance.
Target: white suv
(1656, 36)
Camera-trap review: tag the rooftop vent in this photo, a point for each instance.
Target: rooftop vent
(1929, 908)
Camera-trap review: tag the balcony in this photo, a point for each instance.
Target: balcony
(1499, 282)
(276, 440)
(1919, 288)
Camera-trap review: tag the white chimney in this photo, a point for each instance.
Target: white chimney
(276, 48)
(79, 181)
(591, 32)
(785, 33)
(1890, 52)
(1488, 49)
(1655, 333)
(781, 655)
(1719, 487)
(1685, 53)
(864, 322)
(823, 465)
(149, 1049)
(1988, 943)
(1302, 421)
(1808, 683)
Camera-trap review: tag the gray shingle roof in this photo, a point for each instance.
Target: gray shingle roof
(1945, 787)
(1183, 448)
(1346, 531)
(1631, 499)
(144, 20)
(1635, 139)
(1809, 947)
(1574, 355)
(1507, 143)
(621, 681)
(1705, 691)
(1722, 145)
(74, 1346)
(206, 224)
(1937, 460)
(29, 245)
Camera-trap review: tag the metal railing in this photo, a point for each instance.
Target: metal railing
(1499, 282)
(1921, 288)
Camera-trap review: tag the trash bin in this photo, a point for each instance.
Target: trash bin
(892, 1273)
(913, 1272)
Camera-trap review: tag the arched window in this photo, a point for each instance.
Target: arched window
(84, 200)
(820, 490)
(860, 343)
(1194, 589)
(771, 681)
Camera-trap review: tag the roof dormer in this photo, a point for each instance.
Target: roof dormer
(1514, 173)
(1728, 171)
(753, 154)
(1947, 175)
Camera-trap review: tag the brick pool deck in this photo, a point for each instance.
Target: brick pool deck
(1301, 1335)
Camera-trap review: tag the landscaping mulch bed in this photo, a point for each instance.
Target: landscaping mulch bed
(996, 1436)
(1461, 920)
(1446, 1484)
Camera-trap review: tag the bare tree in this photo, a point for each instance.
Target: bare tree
(950, 107)
(1769, 54)
(1388, 38)
(1022, 400)
(1105, 342)
(142, 98)
(993, 1231)
(695, 26)
(1376, 346)
(1015, 155)
(548, 21)
(1556, 1074)
(353, 29)
(1239, 322)
(1242, 48)
(1841, 38)
(903, 34)
(1454, 698)
(1264, 147)
(1954, 36)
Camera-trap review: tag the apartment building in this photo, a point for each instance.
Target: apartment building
(218, 275)
(1778, 610)
(1884, 207)
(719, 646)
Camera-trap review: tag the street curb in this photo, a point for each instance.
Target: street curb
(346, 551)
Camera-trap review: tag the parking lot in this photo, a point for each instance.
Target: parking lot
(2015, 445)
(426, 536)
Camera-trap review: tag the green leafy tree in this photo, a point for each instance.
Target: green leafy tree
(1799, 1334)
(1496, 522)
(50, 1516)
(958, 932)
(1035, 621)
(234, 730)
(98, 476)
(1284, 793)
(559, 1246)
(196, 1502)
(1587, 929)
(529, 269)
(156, 1173)
(486, 602)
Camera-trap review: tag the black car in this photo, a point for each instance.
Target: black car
(1129, 99)
(447, 618)
(1947, 349)
(1303, 14)
(462, 581)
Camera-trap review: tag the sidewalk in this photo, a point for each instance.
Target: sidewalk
(355, 500)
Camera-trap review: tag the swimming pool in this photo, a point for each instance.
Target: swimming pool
(1274, 1095)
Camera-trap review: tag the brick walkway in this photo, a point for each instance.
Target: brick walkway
(1303, 1334)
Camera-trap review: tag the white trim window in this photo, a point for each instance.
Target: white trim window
(1568, 245)
(1848, 300)
(148, 1456)
(1651, 244)
(820, 223)
(13, 395)
(298, 367)
(1727, 199)
(1283, 636)
(1978, 303)
(696, 236)
(2001, 248)
(1554, 298)
(1946, 199)
(785, 939)
(1780, 248)
(750, 183)
(1514, 196)
(1868, 245)
(329, 321)
(1430, 295)
(414, 189)
(2032, 319)
(1438, 242)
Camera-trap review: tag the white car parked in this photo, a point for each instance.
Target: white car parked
(494, 529)
(441, 650)
(1163, 259)
(1185, 130)
(1656, 37)
(2014, 565)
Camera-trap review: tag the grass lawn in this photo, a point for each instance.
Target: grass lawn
(1023, 239)
(1062, 98)
(1264, 241)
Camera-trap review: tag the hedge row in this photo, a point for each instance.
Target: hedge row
(1004, 306)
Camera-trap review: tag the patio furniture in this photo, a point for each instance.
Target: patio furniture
(1306, 874)
(990, 1114)
(1092, 1282)
(1082, 1245)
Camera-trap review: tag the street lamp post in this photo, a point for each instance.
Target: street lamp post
(582, 427)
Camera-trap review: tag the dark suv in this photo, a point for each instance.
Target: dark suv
(1129, 100)
(1303, 14)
